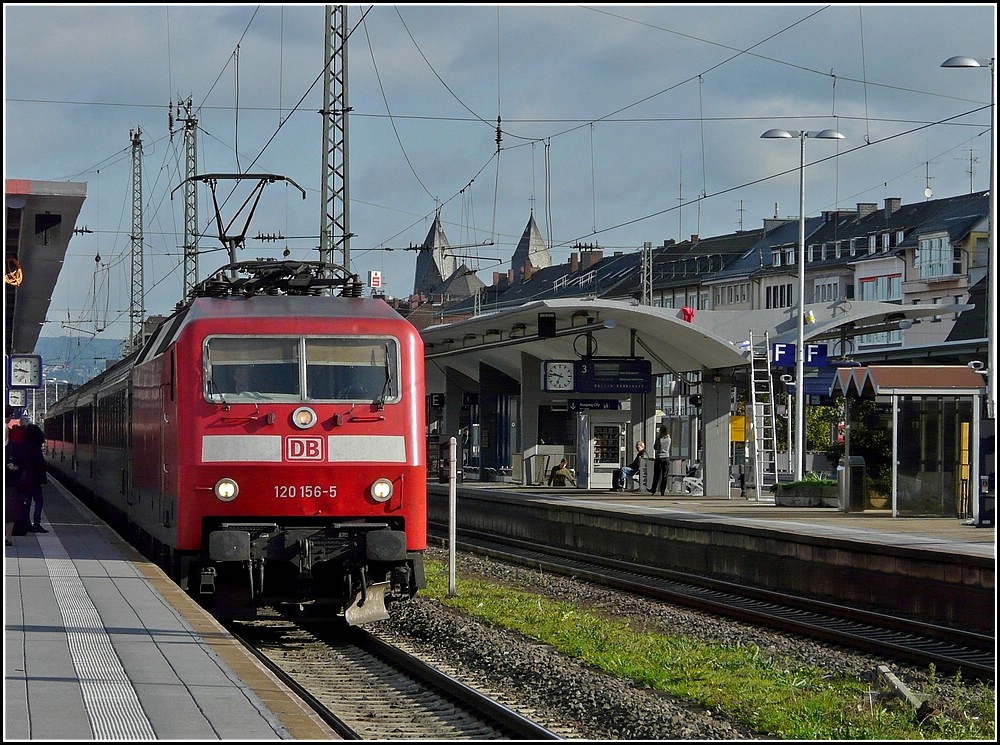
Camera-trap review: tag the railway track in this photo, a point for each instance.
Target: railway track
(366, 689)
(949, 650)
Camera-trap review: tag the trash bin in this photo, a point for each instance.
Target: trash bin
(987, 501)
(853, 484)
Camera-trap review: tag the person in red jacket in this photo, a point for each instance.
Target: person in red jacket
(26, 456)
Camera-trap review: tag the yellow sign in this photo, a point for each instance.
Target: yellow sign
(737, 428)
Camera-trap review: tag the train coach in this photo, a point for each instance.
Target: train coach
(265, 445)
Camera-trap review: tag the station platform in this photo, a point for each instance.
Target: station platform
(99, 644)
(945, 534)
(940, 570)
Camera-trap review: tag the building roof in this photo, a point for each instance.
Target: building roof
(877, 380)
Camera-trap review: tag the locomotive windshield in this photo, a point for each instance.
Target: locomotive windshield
(253, 369)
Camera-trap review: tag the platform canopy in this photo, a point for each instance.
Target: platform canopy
(675, 340)
(576, 327)
(41, 218)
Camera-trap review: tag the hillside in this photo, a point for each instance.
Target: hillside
(76, 359)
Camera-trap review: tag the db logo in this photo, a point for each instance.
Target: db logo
(303, 448)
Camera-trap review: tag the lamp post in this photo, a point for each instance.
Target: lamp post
(788, 380)
(800, 345)
(991, 261)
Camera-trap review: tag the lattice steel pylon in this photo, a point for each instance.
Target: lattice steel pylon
(136, 310)
(335, 219)
(190, 200)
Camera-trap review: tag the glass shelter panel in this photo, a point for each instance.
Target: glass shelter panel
(933, 452)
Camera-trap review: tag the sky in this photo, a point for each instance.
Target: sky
(618, 125)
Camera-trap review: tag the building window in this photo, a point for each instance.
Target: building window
(886, 288)
(778, 296)
(935, 257)
(827, 291)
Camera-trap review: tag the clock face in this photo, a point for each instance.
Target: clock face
(26, 371)
(558, 375)
(16, 397)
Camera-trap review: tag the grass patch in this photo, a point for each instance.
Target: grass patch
(774, 697)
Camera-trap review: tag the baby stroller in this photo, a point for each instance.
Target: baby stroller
(692, 483)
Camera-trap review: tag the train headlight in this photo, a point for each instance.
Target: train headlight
(303, 417)
(381, 490)
(226, 490)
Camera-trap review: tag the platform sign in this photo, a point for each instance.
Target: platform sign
(783, 355)
(594, 404)
(625, 375)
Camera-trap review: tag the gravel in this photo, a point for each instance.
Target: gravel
(577, 701)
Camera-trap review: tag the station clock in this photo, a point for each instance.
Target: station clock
(24, 371)
(558, 375)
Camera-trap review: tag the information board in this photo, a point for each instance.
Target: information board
(625, 375)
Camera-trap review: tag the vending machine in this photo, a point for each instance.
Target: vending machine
(601, 447)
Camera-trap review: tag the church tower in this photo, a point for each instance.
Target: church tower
(435, 262)
(531, 253)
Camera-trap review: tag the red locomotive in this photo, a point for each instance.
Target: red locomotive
(265, 445)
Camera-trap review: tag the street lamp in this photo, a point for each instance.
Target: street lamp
(788, 380)
(991, 262)
(800, 345)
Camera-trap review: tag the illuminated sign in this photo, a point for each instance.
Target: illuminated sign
(608, 375)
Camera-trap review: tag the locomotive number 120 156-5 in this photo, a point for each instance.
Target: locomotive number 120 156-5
(301, 491)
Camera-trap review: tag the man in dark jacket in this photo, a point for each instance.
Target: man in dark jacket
(26, 455)
(624, 474)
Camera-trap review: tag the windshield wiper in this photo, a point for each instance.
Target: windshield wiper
(387, 386)
(212, 386)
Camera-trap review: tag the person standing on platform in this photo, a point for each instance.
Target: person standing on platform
(661, 464)
(26, 454)
(11, 499)
(15, 504)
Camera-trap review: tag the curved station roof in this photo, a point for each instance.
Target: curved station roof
(577, 327)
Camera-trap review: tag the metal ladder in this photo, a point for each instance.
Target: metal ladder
(762, 422)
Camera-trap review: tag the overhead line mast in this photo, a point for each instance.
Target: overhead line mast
(137, 304)
(190, 199)
(335, 219)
